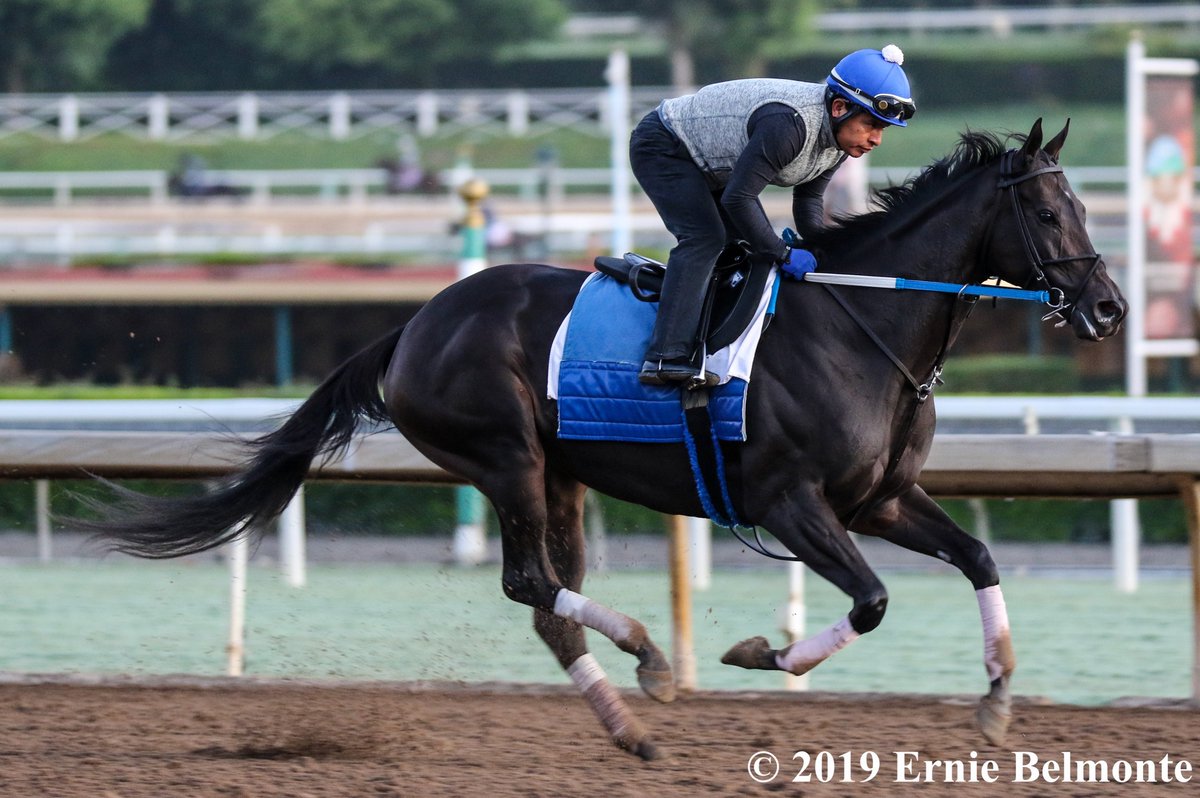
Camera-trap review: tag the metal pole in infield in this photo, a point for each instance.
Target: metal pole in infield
(617, 75)
(794, 619)
(1190, 490)
(239, 553)
(292, 549)
(470, 544)
(683, 650)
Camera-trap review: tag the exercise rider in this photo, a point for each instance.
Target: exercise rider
(703, 159)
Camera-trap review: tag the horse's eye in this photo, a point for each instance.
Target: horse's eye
(1046, 217)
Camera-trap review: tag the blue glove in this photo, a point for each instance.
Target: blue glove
(798, 263)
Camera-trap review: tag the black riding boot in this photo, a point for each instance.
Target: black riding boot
(672, 356)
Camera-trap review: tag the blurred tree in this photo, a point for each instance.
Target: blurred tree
(413, 37)
(738, 33)
(292, 44)
(191, 45)
(61, 43)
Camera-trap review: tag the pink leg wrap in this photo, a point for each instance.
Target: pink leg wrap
(997, 643)
(582, 610)
(605, 701)
(804, 655)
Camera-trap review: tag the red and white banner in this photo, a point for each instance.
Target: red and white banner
(1169, 146)
(1159, 278)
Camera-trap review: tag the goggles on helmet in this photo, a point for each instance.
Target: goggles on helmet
(887, 106)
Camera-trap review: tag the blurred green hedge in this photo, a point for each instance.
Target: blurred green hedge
(343, 509)
(1012, 374)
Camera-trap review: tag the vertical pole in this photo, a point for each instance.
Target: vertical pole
(618, 118)
(292, 551)
(236, 651)
(339, 117)
(1135, 269)
(283, 345)
(700, 534)
(41, 496)
(683, 653)
(6, 331)
(470, 543)
(597, 535)
(158, 117)
(1190, 490)
(518, 114)
(68, 118)
(247, 116)
(1126, 530)
(427, 114)
(794, 620)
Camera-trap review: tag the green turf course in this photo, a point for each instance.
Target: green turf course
(1077, 640)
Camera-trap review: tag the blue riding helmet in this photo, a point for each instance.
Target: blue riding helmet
(874, 80)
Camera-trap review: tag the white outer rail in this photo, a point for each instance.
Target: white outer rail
(253, 409)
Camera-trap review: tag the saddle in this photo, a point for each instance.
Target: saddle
(730, 302)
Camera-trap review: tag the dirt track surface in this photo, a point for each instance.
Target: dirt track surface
(218, 738)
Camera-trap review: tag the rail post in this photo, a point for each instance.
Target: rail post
(794, 619)
(238, 551)
(683, 651)
(470, 543)
(1190, 493)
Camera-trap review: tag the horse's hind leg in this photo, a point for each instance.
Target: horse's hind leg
(523, 503)
(916, 522)
(565, 637)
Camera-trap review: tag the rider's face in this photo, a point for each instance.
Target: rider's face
(859, 134)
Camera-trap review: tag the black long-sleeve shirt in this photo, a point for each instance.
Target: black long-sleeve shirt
(777, 134)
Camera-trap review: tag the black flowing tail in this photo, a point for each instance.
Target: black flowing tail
(161, 528)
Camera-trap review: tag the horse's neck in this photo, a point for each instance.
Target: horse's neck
(942, 242)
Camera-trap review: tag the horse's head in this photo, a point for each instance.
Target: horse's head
(1038, 239)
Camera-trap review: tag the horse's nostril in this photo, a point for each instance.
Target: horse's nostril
(1109, 310)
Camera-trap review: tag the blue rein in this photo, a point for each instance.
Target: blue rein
(1052, 297)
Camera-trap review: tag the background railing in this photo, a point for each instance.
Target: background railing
(564, 208)
(343, 115)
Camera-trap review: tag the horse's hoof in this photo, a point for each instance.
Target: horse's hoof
(654, 674)
(646, 751)
(754, 654)
(659, 685)
(993, 716)
(634, 739)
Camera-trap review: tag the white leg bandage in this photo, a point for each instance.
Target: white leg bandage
(997, 641)
(804, 655)
(582, 610)
(585, 672)
(604, 699)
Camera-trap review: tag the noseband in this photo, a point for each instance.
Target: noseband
(1010, 178)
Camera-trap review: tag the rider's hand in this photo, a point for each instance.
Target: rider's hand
(798, 263)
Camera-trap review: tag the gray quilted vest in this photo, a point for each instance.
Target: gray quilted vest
(712, 125)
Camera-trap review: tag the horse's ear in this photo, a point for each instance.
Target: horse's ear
(1033, 142)
(1055, 145)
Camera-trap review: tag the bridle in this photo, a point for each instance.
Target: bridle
(1010, 178)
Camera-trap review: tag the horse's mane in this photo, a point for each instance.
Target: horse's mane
(974, 149)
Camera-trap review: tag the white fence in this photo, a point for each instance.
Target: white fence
(541, 212)
(263, 185)
(259, 116)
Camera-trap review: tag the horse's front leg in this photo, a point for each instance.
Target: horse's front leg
(916, 522)
(811, 531)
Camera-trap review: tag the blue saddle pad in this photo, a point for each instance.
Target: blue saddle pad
(599, 396)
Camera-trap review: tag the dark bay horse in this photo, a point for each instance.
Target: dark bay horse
(838, 426)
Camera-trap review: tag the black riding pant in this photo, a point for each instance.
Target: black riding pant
(692, 213)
